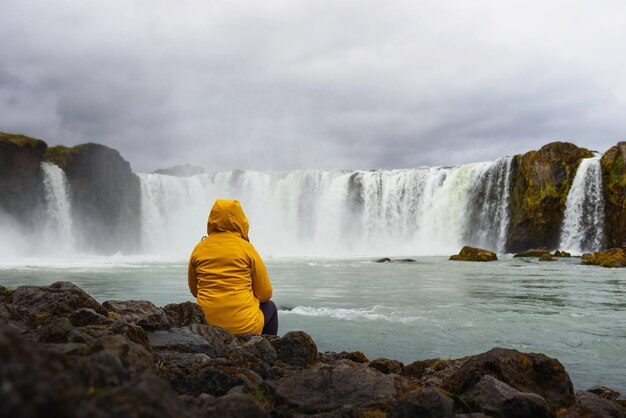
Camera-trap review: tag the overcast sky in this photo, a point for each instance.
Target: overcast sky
(276, 85)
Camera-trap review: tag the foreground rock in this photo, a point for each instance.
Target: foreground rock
(474, 254)
(614, 257)
(62, 354)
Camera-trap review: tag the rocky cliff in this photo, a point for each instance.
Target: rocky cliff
(63, 354)
(613, 164)
(21, 185)
(106, 197)
(539, 186)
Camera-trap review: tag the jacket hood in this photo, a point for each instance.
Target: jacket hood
(228, 216)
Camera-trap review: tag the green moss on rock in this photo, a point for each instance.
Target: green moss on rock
(474, 254)
(541, 181)
(614, 257)
(614, 188)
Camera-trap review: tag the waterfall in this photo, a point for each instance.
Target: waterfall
(57, 231)
(489, 204)
(421, 211)
(583, 222)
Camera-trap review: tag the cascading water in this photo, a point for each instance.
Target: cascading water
(57, 232)
(420, 211)
(583, 222)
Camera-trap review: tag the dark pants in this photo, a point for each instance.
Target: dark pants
(270, 326)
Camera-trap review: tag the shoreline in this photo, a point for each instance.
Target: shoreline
(100, 352)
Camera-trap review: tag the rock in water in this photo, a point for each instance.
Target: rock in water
(561, 254)
(614, 257)
(474, 254)
(534, 252)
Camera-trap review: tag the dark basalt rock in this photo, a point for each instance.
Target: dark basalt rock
(500, 400)
(140, 312)
(326, 387)
(561, 254)
(194, 338)
(526, 372)
(234, 405)
(73, 361)
(60, 298)
(474, 254)
(21, 179)
(541, 181)
(296, 348)
(186, 313)
(546, 257)
(591, 405)
(426, 403)
(386, 366)
(613, 163)
(106, 197)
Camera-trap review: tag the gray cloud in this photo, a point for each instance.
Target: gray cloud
(285, 85)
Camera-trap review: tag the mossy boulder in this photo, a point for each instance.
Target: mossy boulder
(106, 197)
(614, 257)
(474, 254)
(541, 181)
(21, 179)
(613, 164)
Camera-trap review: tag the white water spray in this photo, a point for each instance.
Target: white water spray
(420, 211)
(57, 233)
(583, 221)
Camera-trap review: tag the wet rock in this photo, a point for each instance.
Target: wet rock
(260, 348)
(144, 396)
(604, 392)
(591, 405)
(227, 406)
(326, 387)
(106, 197)
(186, 313)
(535, 252)
(613, 163)
(139, 312)
(296, 348)
(426, 403)
(526, 372)
(500, 400)
(540, 182)
(194, 338)
(215, 378)
(614, 257)
(545, 257)
(60, 298)
(87, 316)
(386, 366)
(35, 383)
(21, 181)
(474, 254)
(561, 254)
(383, 260)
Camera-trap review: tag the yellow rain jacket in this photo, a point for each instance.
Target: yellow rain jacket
(227, 275)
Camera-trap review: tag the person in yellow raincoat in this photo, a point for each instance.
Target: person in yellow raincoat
(228, 277)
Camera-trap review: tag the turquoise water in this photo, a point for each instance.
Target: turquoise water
(408, 311)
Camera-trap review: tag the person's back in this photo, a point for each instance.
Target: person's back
(228, 276)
